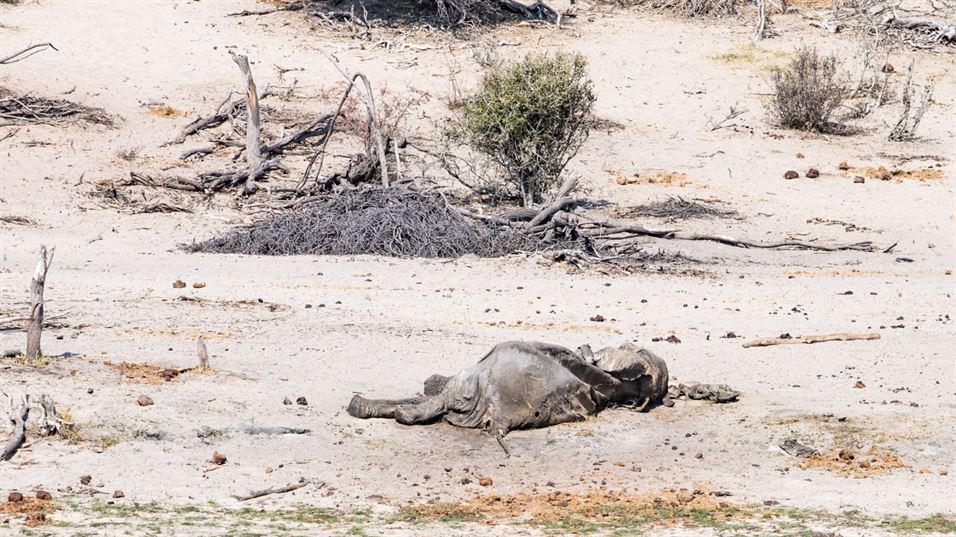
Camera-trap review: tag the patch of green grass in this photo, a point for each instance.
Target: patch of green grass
(938, 523)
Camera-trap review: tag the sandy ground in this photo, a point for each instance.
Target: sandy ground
(325, 328)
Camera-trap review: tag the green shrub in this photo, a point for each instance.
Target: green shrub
(808, 92)
(530, 118)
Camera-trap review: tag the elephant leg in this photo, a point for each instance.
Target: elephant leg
(425, 411)
(361, 407)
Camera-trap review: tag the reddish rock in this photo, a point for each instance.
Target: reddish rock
(791, 174)
(118, 494)
(179, 284)
(217, 458)
(485, 481)
(14, 497)
(44, 495)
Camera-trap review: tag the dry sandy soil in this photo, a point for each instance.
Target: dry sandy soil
(325, 328)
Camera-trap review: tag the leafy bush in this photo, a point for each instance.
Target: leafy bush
(530, 118)
(808, 92)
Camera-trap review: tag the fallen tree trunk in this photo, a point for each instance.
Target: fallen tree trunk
(839, 336)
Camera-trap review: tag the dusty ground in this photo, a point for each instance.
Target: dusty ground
(325, 328)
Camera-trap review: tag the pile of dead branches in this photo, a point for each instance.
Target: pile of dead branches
(362, 14)
(677, 208)
(687, 8)
(390, 221)
(26, 109)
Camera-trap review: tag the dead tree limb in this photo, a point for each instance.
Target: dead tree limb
(36, 304)
(49, 419)
(272, 490)
(22, 55)
(375, 124)
(839, 336)
(253, 124)
(762, 16)
(19, 409)
(537, 10)
(203, 355)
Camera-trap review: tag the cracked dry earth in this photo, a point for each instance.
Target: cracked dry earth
(312, 331)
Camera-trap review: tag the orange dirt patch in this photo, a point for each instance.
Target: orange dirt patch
(35, 510)
(857, 464)
(898, 175)
(165, 111)
(146, 373)
(669, 507)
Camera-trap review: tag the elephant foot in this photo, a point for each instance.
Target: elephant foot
(359, 407)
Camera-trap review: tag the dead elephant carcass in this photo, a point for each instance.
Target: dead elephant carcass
(520, 385)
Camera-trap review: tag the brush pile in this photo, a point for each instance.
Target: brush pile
(389, 221)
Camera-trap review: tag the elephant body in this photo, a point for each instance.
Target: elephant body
(521, 385)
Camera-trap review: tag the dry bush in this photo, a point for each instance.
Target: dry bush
(912, 112)
(807, 93)
(529, 118)
(393, 109)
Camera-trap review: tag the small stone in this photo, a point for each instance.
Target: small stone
(85, 479)
(885, 175)
(943, 471)
(924, 470)
(118, 494)
(685, 497)
(813, 173)
(799, 155)
(859, 179)
(218, 458)
(859, 385)
(864, 464)
(465, 481)
(44, 495)
(199, 285)
(598, 318)
(144, 400)
(485, 481)
(179, 284)
(287, 401)
(843, 166)
(301, 401)
(89, 391)
(791, 174)
(847, 455)
(888, 68)
(699, 456)
(14, 497)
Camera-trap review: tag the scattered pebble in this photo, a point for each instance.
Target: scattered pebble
(85, 479)
(859, 179)
(598, 318)
(14, 497)
(813, 173)
(144, 400)
(118, 494)
(301, 401)
(843, 166)
(179, 284)
(199, 285)
(287, 401)
(218, 458)
(791, 174)
(888, 68)
(44, 495)
(859, 385)
(485, 481)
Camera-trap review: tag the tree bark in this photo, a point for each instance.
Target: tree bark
(253, 124)
(36, 304)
